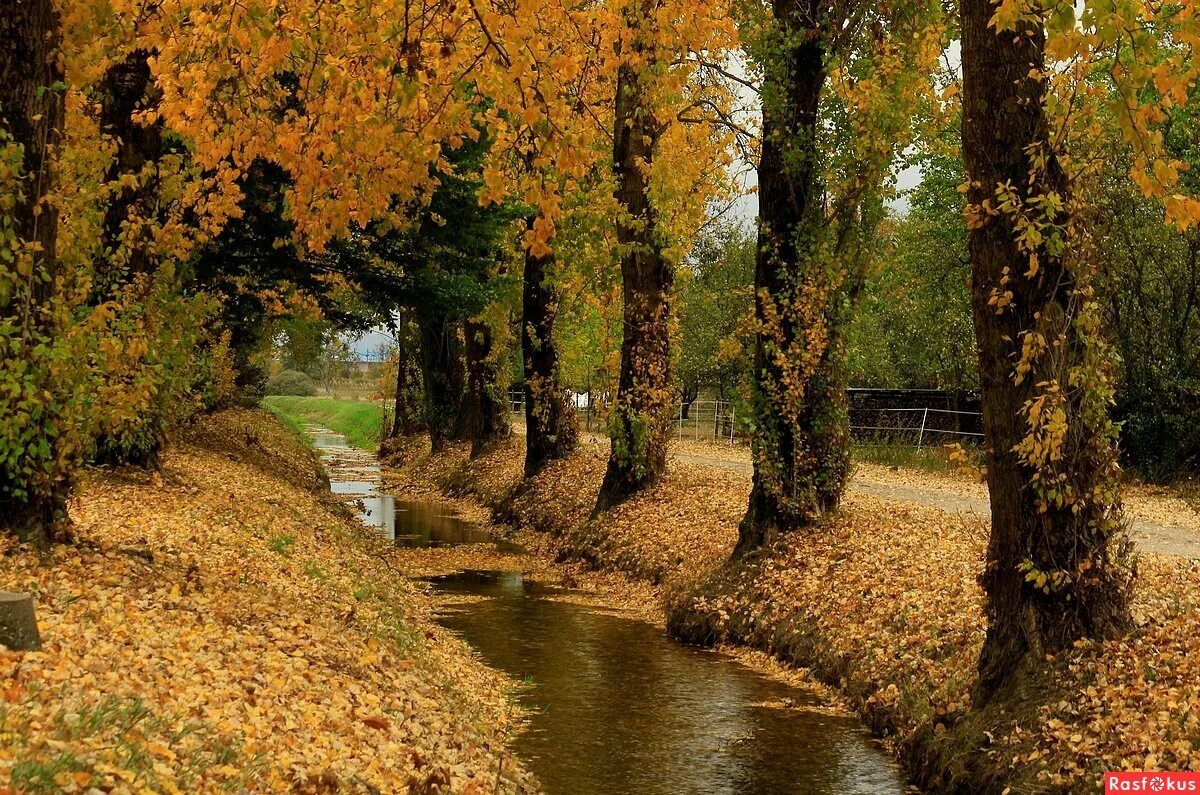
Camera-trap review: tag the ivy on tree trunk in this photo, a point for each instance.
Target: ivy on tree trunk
(801, 422)
(127, 267)
(551, 428)
(641, 412)
(34, 459)
(1057, 567)
(484, 410)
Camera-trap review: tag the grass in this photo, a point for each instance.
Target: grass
(933, 459)
(360, 421)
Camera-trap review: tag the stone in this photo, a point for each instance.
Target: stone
(18, 624)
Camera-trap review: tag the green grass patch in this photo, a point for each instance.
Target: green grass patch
(934, 459)
(360, 421)
(282, 544)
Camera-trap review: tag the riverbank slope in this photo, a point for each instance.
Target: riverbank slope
(225, 625)
(881, 602)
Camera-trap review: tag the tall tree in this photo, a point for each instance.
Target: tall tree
(34, 454)
(484, 417)
(801, 457)
(1057, 566)
(408, 415)
(444, 375)
(446, 274)
(841, 82)
(641, 411)
(551, 427)
(125, 272)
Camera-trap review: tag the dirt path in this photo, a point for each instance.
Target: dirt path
(1150, 536)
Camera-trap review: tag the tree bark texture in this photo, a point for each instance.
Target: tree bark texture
(801, 436)
(1061, 520)
(641, 414)
(484, 409)
(33, 487)
(551, 428)
(409, 409)
(444, 377)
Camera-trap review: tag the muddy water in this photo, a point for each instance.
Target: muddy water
(616, 706)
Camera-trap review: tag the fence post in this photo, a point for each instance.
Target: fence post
(921, 438)
(732, 422)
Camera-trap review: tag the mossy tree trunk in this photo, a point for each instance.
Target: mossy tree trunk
(551, 428)
(483, 416)
(801, 434)
(444, 377)
(128, 262)
(641, 413)
(409, 417)
(1057, 567)
(34, 459)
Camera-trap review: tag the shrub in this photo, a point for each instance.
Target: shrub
(291, 382)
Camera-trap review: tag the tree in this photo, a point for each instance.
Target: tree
(409, 416)
(1057, 567)
(335, 360)
(35, 445)
(912, 327)
(716, 302)
(551, 428)
(840, 85)
(484, 417)
(267, 282)
(641, 411)
(1150, 295)
(445, 269)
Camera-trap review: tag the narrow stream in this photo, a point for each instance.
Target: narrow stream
(615, 705)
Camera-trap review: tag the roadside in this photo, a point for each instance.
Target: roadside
(225, 625)
(1162, 521)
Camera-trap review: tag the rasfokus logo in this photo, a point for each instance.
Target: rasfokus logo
(1151, 782)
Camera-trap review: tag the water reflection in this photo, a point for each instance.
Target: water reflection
(409, 523)
(621, 708)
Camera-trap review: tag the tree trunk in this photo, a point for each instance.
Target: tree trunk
(551, 428)
(801, 436)
(641, 412)
(409, 415)
(484, 409)
(442, 371)
(31, 117)
(1057, 557)
(687, 396)
(126, 271)
(129, 88)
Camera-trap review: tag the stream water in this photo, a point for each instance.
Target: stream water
(615, 705)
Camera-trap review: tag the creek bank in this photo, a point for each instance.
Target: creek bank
(880, 602)
(226, 625)
(612, 703)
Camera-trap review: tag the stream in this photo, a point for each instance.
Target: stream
(616, 706)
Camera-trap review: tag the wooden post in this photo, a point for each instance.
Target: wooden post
(18, 625)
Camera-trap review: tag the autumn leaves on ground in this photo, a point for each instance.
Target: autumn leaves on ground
(225, 625)
(882, 602)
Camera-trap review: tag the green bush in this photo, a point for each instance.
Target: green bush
(291, 382)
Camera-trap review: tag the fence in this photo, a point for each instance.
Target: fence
(914, 426)
(870, 423)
